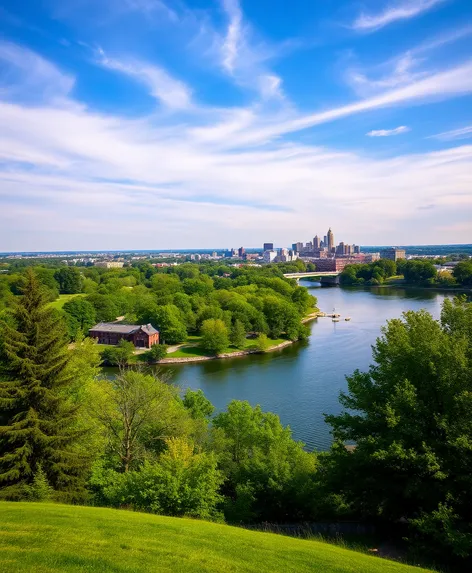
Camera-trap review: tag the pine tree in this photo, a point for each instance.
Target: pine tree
(37, 421)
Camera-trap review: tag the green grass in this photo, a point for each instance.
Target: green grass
(47, 538)
(193, 350)
(63, 298)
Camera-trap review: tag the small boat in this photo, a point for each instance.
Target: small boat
(335, 319)
(347, 318)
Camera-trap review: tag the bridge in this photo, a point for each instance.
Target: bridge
(326, 277)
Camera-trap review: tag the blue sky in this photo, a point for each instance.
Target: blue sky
(134, 124)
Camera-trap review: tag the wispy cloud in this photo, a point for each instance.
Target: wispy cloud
(461, 133)
(387, 132)
(25, 73)
(399, 11)
(234, 38)
(171, 92)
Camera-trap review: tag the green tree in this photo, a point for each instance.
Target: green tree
(38, 425)
(119, 355)
(180, 483)
(269, 475)
(237, 334)
(198, 404)
(214, 335)
(82, 311)
(409, 416)
(69, 279)
(138, 413)
(156, 353)
(463, 273)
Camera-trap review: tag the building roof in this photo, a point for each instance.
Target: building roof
(120, 328)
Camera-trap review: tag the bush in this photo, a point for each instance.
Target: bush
(156, 353)
(120, 354)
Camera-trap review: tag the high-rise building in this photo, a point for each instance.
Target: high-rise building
(316, 242)
(268, 247)
(357, 249)
(241, 252)
(340, 249)
(297, 247)
(330, 239)
(325, 241)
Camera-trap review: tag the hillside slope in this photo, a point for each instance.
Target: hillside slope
(46, 537)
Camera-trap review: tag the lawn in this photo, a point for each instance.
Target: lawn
(47, 538)
(63, 298)
(193, 349)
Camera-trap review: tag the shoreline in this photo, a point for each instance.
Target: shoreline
(238, 353)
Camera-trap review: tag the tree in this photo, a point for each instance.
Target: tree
(180, 483)
(138, 412)
(237, 334)
(214, 335)
(463, 273)
(409, 416)
(262, 342)
(82, 311)
(105, 307)
(198, 404)
(69, 279)
(156, 353)
(38, 424)
(119, 355)
(269, 475)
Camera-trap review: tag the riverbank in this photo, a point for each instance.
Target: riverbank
(237, 353)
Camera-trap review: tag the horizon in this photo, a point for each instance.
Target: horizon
(180, 121)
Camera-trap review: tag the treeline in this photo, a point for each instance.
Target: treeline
(136, 442)
(223, 303)
(419, 272)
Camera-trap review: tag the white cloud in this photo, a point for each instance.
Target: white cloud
(24, 72)
(402, 10)
(461, 133)
(171, 92)
(233, 40)
(388, 132)
(82, 179)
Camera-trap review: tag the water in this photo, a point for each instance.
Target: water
(303, 381)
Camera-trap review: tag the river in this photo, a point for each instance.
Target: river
(303, 381)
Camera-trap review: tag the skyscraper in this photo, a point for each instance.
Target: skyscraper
(268, 246)
(330, 238)
(316, 242)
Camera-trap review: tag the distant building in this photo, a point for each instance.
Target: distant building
(269, 256)
(109, 264)
(316, 242)
(356, 249)
(297, 247)
(268, 247)
(241, 252)
(393, 254)
(371, 257)
(330, 237)
(142, 336)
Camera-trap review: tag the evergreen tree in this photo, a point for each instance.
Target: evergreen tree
(37, 420)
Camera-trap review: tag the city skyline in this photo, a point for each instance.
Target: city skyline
(133, 124)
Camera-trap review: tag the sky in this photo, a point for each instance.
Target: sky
(173, 124)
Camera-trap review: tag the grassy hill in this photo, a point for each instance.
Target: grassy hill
(43, 538)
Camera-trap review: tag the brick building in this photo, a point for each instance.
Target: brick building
(142, 336)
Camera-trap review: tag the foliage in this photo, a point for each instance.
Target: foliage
(214, 335)
(262, 343)
(137, 412)
(410, 418)
(38, 422)
(418, 271)
(180, 483)
(82, 314)
(237, 335)
(155, 353)
(39, 490)
(463, 273)
(198, 404)
(118, 355)
(69, 280)
(368, 273)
